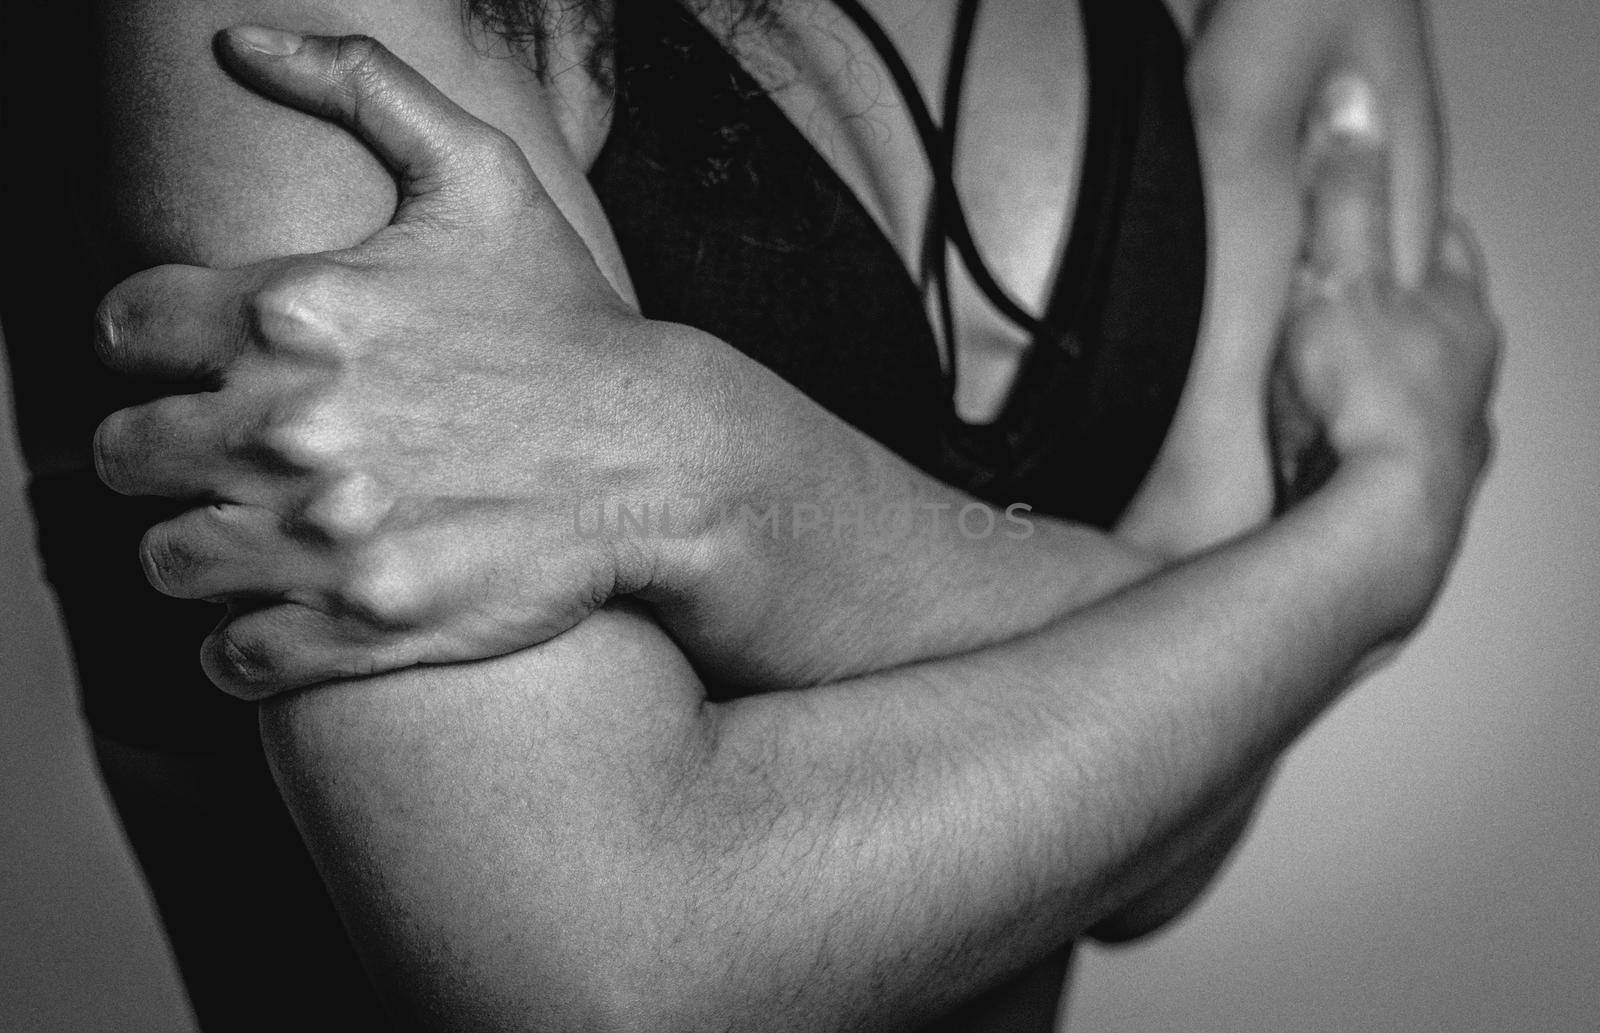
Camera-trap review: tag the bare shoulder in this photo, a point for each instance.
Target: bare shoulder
(191, 150)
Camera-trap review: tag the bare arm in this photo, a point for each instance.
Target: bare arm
(872, 852)
(871, 608)
(753, 612)
(605, 765)
(211, 174)
(1257, 71)
(572, 837)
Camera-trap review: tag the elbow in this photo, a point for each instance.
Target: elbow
(599, 966)
(1123, 929)
(672, 946)
(646, 985)
(653, 1001)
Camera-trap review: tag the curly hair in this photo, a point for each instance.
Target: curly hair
(529, 24)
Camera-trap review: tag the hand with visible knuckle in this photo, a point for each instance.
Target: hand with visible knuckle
(1395, 377)
(379, 589)
(419, 417)
(299, 310)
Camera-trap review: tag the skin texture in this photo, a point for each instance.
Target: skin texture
(745, 799)
(1256, 68)
(782, 624)
(454, 546)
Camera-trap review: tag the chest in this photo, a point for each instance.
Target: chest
(1018, 146)
(784, 211)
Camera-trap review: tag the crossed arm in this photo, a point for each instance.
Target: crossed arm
(581, 841)
(574, 836)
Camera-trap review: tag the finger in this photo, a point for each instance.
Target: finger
(1458, 257)
(257, 653)
(168, 447)
(438, 151)
(173, 322)
(1398, 54)
(1459, 288)
(226, 552)
(1348, 195)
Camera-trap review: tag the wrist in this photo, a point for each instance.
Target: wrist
(665, 518)
(1410, 521)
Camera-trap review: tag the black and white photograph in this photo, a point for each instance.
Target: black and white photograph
(800, 516)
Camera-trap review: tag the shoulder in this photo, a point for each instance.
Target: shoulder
(188, 146)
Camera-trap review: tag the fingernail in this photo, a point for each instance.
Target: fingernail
(1349, 109)
(1458, 249)
(267, 41)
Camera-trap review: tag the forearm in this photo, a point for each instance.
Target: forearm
(826, 556)
(561, 836)
(1180, 875)
(1252, 105)
(211, 174)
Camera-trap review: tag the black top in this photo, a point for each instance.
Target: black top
(730, 221)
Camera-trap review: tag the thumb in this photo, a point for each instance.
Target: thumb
(437, 150)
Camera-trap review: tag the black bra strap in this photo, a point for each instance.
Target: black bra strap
(939, 151)
(1113, 43)
(1112, 61)
(935, 260)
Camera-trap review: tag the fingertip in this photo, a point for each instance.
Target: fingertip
(108, 328)
(235, 658)
(1459, 251)
(255, 55)
(1345, 132)
(355, 81)
(256, 653)
(1348, 110)
(101, 448)
(1347, 182)
(250, 40)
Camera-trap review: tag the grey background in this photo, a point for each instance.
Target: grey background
(1429, 860)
